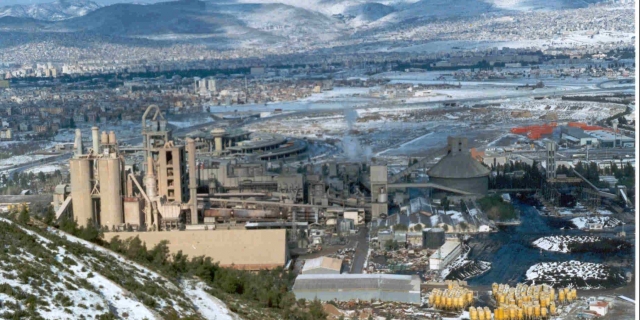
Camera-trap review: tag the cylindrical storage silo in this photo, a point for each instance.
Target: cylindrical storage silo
(80, 171)
(382, 196)
(487, 313)
(111, 210)
(481, 315)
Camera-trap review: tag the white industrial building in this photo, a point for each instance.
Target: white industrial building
(322, 265)
(599, 307)
(365, 287)
(450, 250)
(607, 139)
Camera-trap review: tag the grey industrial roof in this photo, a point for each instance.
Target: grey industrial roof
(385, 282)
(575, 132)
(457, 166)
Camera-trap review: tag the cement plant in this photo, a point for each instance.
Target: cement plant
(324, 177)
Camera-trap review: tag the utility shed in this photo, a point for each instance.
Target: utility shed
(346, 287)
(322, 265)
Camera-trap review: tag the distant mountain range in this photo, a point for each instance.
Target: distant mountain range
(53, 11)
(257, 21)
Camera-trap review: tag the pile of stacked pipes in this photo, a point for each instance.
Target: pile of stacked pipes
(528, 302)
(454, 298)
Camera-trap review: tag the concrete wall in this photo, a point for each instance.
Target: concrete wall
(245, 249)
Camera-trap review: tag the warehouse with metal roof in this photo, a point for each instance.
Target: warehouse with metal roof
(459, 170)
(322, 265)
(346, 287)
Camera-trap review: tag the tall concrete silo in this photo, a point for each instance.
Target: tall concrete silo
(111, 208)
(81, 176)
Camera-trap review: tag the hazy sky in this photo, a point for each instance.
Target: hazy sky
(103, 2)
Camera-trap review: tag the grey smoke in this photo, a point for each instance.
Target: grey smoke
(351, 146)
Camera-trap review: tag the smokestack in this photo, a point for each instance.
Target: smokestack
(78, 143)
(193, 197)
(112, 138)
(95, 135)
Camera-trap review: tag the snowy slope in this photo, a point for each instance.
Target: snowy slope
(53, 11)
(87, 280)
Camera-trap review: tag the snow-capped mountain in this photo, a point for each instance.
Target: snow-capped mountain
(53, 11)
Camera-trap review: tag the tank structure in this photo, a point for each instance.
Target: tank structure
(97, 185)
(529, 302)
(454, 298)
(459, 170)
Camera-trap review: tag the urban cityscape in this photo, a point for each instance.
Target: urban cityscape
(318, 159)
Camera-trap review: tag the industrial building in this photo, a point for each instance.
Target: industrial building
(105, 192)
(447, 253)
(238, 142)
(458, 170)
(322, 265)
(577, 136)
(346, 287)
(433, 238)
(608, 139)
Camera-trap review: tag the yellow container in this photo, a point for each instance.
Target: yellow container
(536, 311)
(487, 313)
(552, 309)
(520, 314)
(543, 312)
(481, 316)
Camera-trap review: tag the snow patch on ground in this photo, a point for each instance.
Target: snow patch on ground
(583, 275)
(606, 221)
(207, 305)
(561, 243)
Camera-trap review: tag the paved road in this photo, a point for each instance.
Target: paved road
(362, 249)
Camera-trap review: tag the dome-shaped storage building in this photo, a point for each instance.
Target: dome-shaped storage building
(459, 170)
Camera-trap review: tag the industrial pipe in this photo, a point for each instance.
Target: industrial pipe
(193, 186)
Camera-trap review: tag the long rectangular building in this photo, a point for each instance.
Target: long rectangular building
(450, 250)
(346, 287)
(240, 249)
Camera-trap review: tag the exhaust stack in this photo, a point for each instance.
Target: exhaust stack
(78, 143)
(95, 135)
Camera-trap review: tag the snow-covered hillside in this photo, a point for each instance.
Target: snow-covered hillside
(53, 11)
(55, 275)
